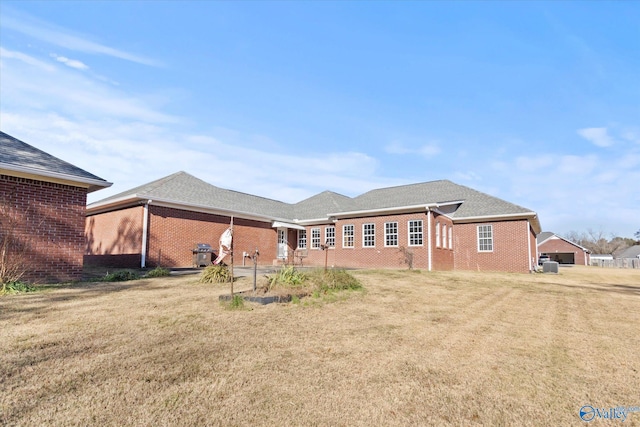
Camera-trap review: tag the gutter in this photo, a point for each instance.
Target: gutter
(429, 250)
(532, 216)
(145, 232)
(393, 209)
(91, 184)
(134, 199)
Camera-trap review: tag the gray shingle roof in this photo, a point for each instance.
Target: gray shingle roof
(631, 252)
(186, 189)
(543, 236)
(320, 205)
(475, 203)
(18, 155)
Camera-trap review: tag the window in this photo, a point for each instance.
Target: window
(348, 236)
(451, 237)
(444, 236)
(302, 239)
(437, 234)
(391, 234)
(485, 238)
(330, 236)
(315, 238)
(368, 235)
(415, 232)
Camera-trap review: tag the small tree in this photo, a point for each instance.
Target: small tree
(13, 250)
(407, 255)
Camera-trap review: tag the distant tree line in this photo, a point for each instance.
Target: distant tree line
(598, 242)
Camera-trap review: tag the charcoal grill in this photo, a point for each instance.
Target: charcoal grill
(202, 254)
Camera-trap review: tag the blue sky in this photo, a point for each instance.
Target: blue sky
(534, 102)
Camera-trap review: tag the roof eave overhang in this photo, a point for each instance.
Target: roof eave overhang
(568, 241)
(138, 199)
(532, 217)
(394, 210)
(58, 178)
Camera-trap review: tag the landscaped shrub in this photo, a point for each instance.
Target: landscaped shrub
(158, 272)
(215, 274)
(334, 280)
(120, 276)
(16, 287)
(288, 277)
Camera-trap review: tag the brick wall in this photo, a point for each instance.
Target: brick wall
(174, 232)
(553, 246)
(510, 247)
(47, 221)
(377, 256)
(115, 238)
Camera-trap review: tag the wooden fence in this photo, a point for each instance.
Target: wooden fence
(617, 263)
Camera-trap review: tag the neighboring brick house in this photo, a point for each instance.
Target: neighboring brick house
(42, 211)
(435, 225)
(562, 250)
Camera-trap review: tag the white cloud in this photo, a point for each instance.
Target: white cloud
(428, 150)
(59, 89)
(52, 34)
(396, 147)
(73, 63)
(27, 59)
(597, 136)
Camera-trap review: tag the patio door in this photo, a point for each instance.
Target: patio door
(283, 246)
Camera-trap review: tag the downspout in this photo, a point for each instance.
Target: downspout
(529, 245)
(429, 239)
(145, 231)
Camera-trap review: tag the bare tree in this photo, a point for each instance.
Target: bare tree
(13, 249)
(597, 241)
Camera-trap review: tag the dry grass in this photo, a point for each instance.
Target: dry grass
(416, 348)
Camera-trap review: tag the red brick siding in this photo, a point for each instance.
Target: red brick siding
(442, 257)
(115, 233)
(510, 247)
(379, 256)
(174, 232)
(552, 246)
(48, 219)
(113, 237)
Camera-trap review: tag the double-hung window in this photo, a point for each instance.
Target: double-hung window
(450, 237)
(415, 232)
(437, 234)
(348, 236)
(444, 236)
(315, 238)
(485, 238)
(391, 234)
(302, 239)
(368, 235)
(330, 236)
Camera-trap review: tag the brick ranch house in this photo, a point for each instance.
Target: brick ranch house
(439, 225)
(562, 250)
(42, 211)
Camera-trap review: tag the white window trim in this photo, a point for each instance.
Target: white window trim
(326, 235)
(306, 242)
(478, 238)
(451, 237)
(437, 234)
(421, 232)
(319, 238)
(364, 235)
(396, 234)
(444, 236)
(353, 235)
